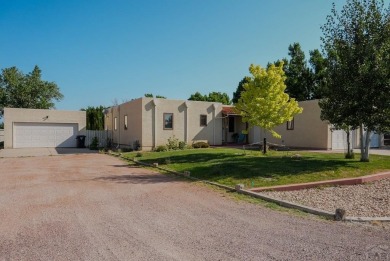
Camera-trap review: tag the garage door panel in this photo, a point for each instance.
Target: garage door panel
(27, 135)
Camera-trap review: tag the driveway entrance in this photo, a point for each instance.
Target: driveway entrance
(96, 207)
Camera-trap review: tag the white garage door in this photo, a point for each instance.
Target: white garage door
(44, 135)
(339, 140)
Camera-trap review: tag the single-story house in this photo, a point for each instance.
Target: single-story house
(149, 122)
(307, 130)
(26, 128)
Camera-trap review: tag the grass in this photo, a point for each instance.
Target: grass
(253, 169)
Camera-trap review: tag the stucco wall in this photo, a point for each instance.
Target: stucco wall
(13, 115)
(186, 121)
(309, 130)
(133, 111)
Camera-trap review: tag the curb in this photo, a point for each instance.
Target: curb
(287, 204)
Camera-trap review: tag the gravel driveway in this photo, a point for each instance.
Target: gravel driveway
(95, 207)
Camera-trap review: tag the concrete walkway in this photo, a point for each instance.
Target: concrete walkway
(36, 152)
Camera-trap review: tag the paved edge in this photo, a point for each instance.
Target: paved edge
(287, 204)
(346, 181)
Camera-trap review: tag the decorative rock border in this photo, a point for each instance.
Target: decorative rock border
(239, 188)
(346, 181)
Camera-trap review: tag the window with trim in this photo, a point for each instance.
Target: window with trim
(203, 120)
(115, 123)
(125, 122)
(168, 121)
(231, 123)
(290, 124)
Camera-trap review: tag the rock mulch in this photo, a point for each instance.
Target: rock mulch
(365, 200)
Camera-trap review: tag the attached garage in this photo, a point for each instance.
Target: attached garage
(339, 140)
(34, 128)
(44, 135)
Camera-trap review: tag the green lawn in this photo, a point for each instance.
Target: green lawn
(252, 168)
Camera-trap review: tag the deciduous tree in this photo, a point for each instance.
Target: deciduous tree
(357, 46)
(18, 90)
(264, 102)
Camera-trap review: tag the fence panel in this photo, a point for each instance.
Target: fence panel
(102, 136)
(1, 135)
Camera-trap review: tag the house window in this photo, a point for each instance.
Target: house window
(115, 123)
(231, 123)
(168, 121)
(203, 120)
(290, 124)
(125, 122)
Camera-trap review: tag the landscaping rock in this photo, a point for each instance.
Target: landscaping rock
(340, 214)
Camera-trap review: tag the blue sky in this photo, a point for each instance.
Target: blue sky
(98, 51)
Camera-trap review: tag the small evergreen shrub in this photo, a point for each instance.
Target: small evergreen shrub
(94, 144)
(139, 154)
(136, 145)
(200, 144)
(161, 148)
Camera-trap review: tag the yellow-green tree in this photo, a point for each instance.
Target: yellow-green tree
(264, 102)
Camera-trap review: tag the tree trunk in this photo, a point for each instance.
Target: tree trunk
(361, 141)
(365, 146)
(349, 152)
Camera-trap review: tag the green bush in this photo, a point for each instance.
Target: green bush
(139, 154)
(200, 144)
(127, 149)
(136, 145)
(182, 145)
(173, 143)
(161, 148)
(350, 155)
(94, 144)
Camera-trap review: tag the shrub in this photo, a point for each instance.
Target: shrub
(139, 154)
(350, 155)
(127, 149)
(173, 143)
(137, 145)
(167, 161)
(182, 145)
(200, 144)
(94, 144)
(161, 148)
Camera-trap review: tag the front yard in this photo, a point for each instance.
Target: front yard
(252, 168)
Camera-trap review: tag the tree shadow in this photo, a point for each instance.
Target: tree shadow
(136, 178)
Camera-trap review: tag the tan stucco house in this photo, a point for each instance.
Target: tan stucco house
(152, 121)
(26, 128)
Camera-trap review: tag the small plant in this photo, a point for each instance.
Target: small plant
(161, 148)
(350, 155)
(127, 149)
(235, 137)
(94, 144)
(109, 143)
(167, 161)
(173, 143)
(200, 144)
(139, 154)
(182, 145)
(136, 145)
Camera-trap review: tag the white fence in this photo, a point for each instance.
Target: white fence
(103, 137)
(1, 135)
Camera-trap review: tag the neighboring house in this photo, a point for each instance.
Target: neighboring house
(26, 128)
(150, 122)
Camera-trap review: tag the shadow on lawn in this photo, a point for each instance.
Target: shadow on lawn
(221, 166)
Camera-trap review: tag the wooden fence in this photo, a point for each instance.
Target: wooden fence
(103, 136)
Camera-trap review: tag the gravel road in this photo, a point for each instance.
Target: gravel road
(365, 200)
(95, 207)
